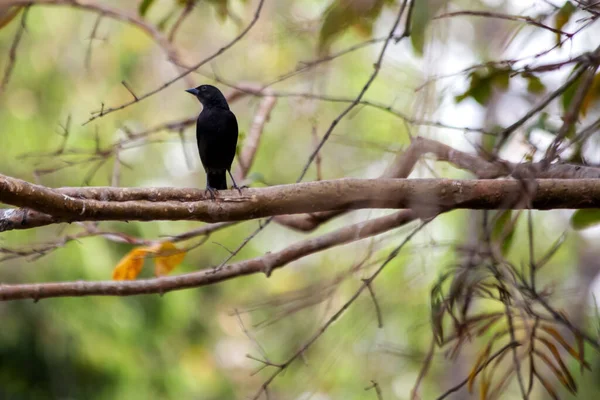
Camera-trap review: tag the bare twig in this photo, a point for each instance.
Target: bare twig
(283, 366)
(163, 285)
(189, 6)
(129, 89)
(356, 101)
(375, 385)
(508, 17)
(252, 140)
(104, 111)
(88, 52)
(12, 54)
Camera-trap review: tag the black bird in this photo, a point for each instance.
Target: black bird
(217, 134)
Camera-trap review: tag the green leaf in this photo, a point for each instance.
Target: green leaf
(562, 17)
(591, 97)
(568, 94)
(534, 84)
(482, 83)
(421, 16)
(498, 231)
(501, 78)
(482, 91)
(144, 6)
(337, 20)
(344, 14)
(586, 218)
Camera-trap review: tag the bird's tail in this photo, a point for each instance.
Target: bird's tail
(217, 180)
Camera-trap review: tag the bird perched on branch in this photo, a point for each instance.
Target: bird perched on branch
(217, 134)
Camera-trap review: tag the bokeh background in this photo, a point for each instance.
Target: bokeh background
(192, 343)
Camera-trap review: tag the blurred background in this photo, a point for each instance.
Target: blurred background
(193, 344)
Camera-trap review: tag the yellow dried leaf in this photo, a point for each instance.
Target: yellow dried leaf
(564, 380)
(569, 382)
(130, 266)
(481, 359)
(483, 389)
(166, 257)
(547, 386)
(558, 337)
(592, 96)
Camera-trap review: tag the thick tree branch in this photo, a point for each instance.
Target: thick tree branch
(426, 196)
(405, 162)
(266, 264)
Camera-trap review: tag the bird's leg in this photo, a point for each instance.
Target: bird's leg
(235, 186)
(213, 192)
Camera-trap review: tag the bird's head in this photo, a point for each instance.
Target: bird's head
(209, 96)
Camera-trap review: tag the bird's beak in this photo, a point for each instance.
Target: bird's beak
(193, 91)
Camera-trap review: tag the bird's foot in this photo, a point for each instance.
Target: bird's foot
(238, 188)
(213, 192)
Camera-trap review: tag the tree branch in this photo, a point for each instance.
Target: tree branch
(266, 264)
(426, 196)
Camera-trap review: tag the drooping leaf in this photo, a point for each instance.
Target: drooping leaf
(7, 14)
(344, 14)
(585, 218)
(481, 359)
(592, 96)
(484, 387)
(501, 78)
(581, 349)
(421, 17)
(558, 337)
(569, 93)
(130, 265)
(166, 257)
(503, 222)
(562, 17)
(482, 82)
(144, 7)
(547, 386)
(569, 382)
(534, 84)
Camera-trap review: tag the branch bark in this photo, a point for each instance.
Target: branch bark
(426, 196)
(266, 264)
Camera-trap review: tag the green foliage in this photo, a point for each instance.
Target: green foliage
(421, 16)
(503, 231)
(178, 345)
(483, 81)
(534, 84)
(586, 218)
(144, 6)
(562, 17)
(343, 14)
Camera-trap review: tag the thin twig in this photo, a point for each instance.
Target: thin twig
(104, 111)
(12, 54)
(283, 366)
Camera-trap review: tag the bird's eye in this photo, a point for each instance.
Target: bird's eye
(203, 88)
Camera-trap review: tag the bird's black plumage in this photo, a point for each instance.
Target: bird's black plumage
(217, 134)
